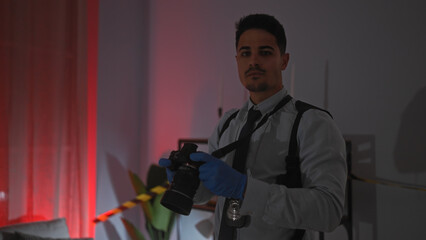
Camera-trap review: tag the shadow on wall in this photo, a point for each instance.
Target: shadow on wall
(111, 231)
(120, 180)
(410, 148)
(122, 188)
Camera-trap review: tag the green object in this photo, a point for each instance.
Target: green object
(161, 215)
(140, 188)
(159, 220)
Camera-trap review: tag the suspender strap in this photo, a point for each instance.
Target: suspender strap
(219, 153)
(293, 177)
(301, 108)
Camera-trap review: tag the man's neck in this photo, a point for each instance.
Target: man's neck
(258, 97)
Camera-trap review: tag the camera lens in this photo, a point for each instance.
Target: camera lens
(178, 197)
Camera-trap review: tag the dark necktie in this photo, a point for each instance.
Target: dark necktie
(227, 232)
(242, 150)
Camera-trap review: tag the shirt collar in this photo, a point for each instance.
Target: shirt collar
(268, 104)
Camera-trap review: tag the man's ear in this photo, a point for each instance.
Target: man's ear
(285, 58)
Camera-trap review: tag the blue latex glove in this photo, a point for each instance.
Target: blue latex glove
(219, 177)
(164, 162)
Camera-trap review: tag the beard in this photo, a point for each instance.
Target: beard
(257, 87)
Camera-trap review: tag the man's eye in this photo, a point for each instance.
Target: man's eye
(245, 54)
(265, 53)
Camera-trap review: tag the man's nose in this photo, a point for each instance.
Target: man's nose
(254, 60)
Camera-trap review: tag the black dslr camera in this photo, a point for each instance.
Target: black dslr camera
(179, 196)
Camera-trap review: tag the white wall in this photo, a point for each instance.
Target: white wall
(376, 83)
(122, 110)
(376, 87)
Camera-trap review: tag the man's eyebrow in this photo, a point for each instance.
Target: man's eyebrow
(244, 48)
(266, 47)
(261, 48)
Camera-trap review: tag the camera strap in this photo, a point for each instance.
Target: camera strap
(219, 153)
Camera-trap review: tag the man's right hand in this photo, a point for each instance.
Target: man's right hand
(165, 162)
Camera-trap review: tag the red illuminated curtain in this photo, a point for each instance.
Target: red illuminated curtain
(45, 119)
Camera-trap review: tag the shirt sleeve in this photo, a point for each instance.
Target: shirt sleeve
(203, 195)
(319, 204)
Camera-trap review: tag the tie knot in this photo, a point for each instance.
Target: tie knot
(253, 115)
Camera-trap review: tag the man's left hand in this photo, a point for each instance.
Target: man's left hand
(219, 177)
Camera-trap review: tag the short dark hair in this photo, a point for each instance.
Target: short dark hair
(264, 22)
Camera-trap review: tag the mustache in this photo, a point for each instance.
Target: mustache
(256, 68)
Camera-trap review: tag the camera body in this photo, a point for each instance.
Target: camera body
(179, 196)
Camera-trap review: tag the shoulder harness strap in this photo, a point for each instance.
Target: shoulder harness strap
(293, 177)
(301, 108)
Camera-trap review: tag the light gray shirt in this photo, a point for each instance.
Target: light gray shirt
(276, 210)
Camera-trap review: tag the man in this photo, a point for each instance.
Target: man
(251, 187)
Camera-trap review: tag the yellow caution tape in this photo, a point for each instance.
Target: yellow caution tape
(386, 183)
(129, 204)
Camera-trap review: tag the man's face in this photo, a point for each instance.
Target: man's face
(260, 63)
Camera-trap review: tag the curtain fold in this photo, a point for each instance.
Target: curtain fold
(43, 113)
